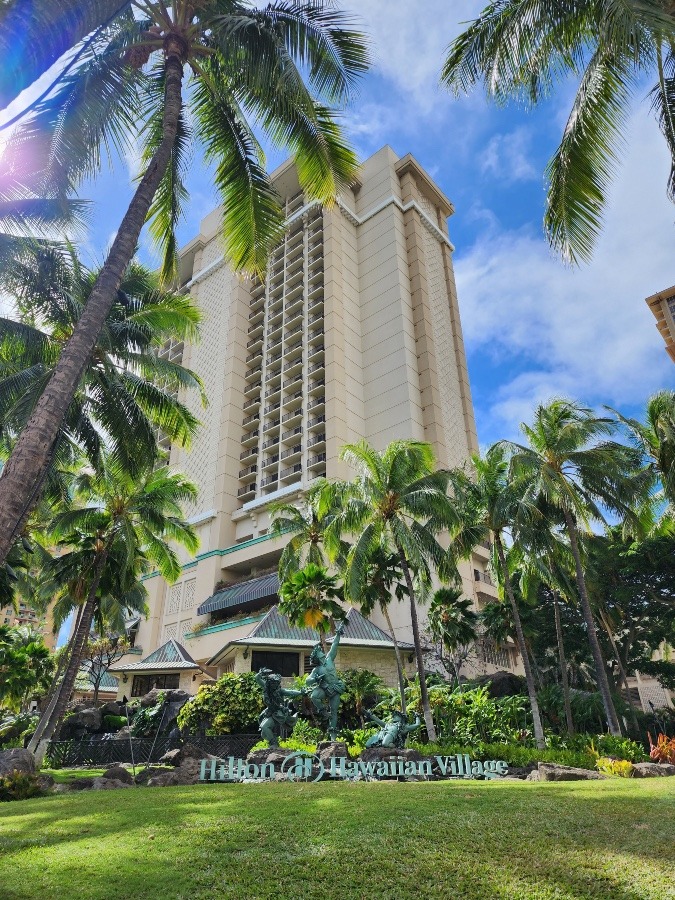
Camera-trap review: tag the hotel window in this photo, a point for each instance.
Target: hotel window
(285, 664)
(142, 684)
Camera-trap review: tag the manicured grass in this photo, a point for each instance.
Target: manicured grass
(451, 840)
(66, 776)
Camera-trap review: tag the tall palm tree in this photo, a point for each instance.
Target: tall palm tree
(398, 497)
(309, 599)
(384, 582)
(521, 51)
(119, 528)
(488, 503)
(128, 392)
(568, 465)
(452, 623)
(655, 439)
(306, 525)
(284, 65)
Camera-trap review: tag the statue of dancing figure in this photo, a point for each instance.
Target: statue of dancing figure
(278, 711)
(393, 731)
(325, 684)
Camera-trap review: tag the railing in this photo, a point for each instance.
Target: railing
(141, 751)
(318, 439)
(252, 418)
(246, 489)
(482, 576)
(249, 470)
(249, 436)
(291, 451)
(291, 470)
(271, 443)
(272, 479)
(315, 367)
(291, 432)
(315, 460)
(291, 415)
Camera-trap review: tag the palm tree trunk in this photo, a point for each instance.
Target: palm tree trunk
(424, 693)
(600, 673)
(522, 646)
(563, 666)
(30, 457)
(622, 670)
(52, 725)
(397, 651)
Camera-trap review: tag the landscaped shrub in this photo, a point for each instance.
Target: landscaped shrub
(623, 748)
(19, 786)
(513, 754)
(147, 719)
(230, 706)
(620, 768)
(114, 723)
(663, 751)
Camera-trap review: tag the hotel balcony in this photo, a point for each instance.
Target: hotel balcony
(314, 461)
(291, 471)
(271, 426)
(252, 387)
(249, 420)
(317, 402)
(250, 438)
(293, 415)
(246, 490)
(271, 479)
(248, 473)
(273, 407)
(317, 440)
(291, 433)
(292, 451)
(270, 461)
(252, 403)
(272, 442)
(316, 421)
(248, 453)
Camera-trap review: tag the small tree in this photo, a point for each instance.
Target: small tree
(99, 655)
(309, 600)
(452, 628)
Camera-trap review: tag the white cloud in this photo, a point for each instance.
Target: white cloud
(507, 157)
(582, 332)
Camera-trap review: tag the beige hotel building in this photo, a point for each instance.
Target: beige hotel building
(355, 334)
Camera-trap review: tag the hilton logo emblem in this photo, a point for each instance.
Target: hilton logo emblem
(301, 767)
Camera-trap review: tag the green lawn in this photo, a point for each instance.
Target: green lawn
(450, 840)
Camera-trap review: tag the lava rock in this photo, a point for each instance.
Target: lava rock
(108, 784)
(652, 770)
(557, 772)
(144, 775)
(171, 696)
(46, 782)
(123, 734)
(328, 749)
(275, 755)
(118, 773)
(16, 760)
(112, 708)
(188, 751)
(376, 754)
(82, 784)
(500, 684)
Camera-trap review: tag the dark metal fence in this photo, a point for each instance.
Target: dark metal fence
(97, 753)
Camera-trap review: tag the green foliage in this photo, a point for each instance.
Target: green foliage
(623, 748)
(25, 663)
(114, 723)
(309, 599)
(620, 768)
(356, 739)
(146, 719)
(230, 706)
(13, 728)
(514, 754)
(19, 786)
(363, 689)
(302, 739)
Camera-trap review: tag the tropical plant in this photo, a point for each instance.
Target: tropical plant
(522, 50)
(453, 625)
(98, 655)
(309, 599)
(230, 706)
(619, 768)
(26, 665)
(361, 686)
(118, 528)
(128, 391)
(399, 498)
(568, 466)
(19, 786)
(489, 502)
(281, 64)
(663, 751)
(655, 439)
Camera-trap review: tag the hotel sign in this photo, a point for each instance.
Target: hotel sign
(310, 767)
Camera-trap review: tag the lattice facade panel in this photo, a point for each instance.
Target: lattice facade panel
(189, 593)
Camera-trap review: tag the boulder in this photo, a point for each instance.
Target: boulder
(89, 719)
(16, 760)
(165, 779)
(557, 772)
(46, 782)
(274, 755)
(172, 696)
(376, 754)
(188, 751)
(112, 708)
(144, 775)
(327, 749)
(123, 734)
(652, 770)
(107, 784)
(500, 684)
(81, 784)
(522, 773)
(118, 773)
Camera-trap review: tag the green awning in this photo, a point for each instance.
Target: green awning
(244, 594)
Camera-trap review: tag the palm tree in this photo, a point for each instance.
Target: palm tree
(397, 498)
(384, 581)
(128, 391)
(309, 599)
(362, 685)
(488, 503)
(118, 529)
(25, 665)
(283, 65)
(306, 526)
(522, 50)
(452, 624)
(568, 467)
(655, 439)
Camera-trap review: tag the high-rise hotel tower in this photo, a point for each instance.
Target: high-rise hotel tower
(355, 333)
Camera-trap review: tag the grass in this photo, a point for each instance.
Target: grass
(67, 776)
(461, 840)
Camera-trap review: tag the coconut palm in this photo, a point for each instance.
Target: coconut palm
(488, 503)
(25, 665)
(522, 51)
(399, 498)
(284, 65)
(309, 599)
(452, 624)
(384, 582)
(655, 439)
(567, 465)
(128, 392)
(119, 528)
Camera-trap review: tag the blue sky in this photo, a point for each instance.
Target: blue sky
(533, 328)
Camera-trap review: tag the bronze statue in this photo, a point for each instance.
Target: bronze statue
(393, 731)
(325, 684)
(278, 711)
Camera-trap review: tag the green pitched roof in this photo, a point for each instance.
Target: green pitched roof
(168, 657)
(245, 593)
